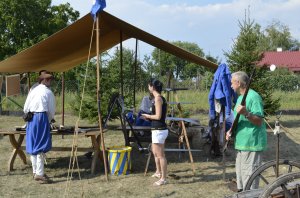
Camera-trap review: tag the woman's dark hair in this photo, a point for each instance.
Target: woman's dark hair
(156, 84)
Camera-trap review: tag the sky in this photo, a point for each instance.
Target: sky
(212, 24)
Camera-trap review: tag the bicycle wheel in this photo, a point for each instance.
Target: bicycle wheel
(284, 186)
(267, 172)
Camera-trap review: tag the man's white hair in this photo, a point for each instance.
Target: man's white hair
(242, 77)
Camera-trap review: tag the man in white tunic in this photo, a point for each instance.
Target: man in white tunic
(41, 102)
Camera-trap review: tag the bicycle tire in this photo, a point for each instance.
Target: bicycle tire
(280, 181)
(262, 168)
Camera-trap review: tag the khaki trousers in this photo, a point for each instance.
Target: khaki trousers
(245, 164)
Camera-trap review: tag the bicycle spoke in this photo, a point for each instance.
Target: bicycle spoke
(264, 179)
(267, 172)
(274, 169)
(287, 193)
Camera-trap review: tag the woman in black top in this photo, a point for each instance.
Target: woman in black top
(159, 131)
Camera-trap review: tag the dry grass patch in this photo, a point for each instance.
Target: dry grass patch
(207, 182)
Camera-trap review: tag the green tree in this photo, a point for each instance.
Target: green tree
(110, 83)
(244, 55)
(148, 65)
(277, 35)
(213, 59)
(284, 80)
(207, 80)
(181, 69)
(24, 23)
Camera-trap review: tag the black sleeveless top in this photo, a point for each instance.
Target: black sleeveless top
(159, 124)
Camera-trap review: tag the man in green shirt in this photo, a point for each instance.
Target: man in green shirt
(250, 135)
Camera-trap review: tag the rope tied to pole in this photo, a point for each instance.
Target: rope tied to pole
(73, 157)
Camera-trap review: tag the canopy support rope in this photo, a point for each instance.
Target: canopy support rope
(73, 157)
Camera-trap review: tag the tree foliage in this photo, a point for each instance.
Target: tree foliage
(24, 23)
(284, 80)
(27, 22)
(244, 55)
(277, 35)
(110, 83)
(181, 69)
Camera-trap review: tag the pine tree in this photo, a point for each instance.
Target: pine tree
(110, 84)
(245, 54)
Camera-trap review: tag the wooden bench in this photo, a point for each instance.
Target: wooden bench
(16, 143)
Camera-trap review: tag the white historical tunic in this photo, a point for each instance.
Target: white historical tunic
(41, 99)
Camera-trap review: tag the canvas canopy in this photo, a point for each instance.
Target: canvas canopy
(70, 46)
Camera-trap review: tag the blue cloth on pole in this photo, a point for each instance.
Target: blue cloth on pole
(38, 137)
(98, 6)
(221, 90)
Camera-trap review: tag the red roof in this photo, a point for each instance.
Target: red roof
(289, 59)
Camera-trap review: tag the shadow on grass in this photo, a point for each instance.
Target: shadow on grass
(291, 123)
(288, 148)
(286, 123)
(185, 173)
(62, 168)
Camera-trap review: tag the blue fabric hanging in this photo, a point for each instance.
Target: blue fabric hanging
(98, 6)
(221, 90)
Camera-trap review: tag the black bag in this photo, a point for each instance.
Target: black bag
(27, 116)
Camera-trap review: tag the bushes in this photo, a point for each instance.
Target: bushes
(283, 80)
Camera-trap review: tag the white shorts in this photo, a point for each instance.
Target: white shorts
(159, 136)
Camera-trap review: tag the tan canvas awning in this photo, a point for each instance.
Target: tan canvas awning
(70, 46)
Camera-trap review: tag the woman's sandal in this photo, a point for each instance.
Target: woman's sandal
(160, 182)
(156, 175)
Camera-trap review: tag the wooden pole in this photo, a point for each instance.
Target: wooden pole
(99, 97)
(148, 162)
(121, 63)
(224, 139)
(277, 156)
(1, 95)
(28, 81)
(134, 78)
(63, 98)
(169, 85)
(188, 146)
(184, 133)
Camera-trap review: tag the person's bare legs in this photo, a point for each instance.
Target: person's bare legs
(160, 153)
(157, 160)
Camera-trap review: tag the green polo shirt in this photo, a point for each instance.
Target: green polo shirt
(249, 137)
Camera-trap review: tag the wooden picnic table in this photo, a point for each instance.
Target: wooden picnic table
(16, 139)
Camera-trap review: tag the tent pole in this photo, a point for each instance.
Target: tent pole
(134, 78)
(169, 84)
(1, 94)
(121, 63)
(28, 81)
(63, 98)
(99, 97)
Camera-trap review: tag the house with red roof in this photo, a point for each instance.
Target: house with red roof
(282, 59)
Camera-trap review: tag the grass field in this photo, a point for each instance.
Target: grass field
(289, 100)
(207, 182)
